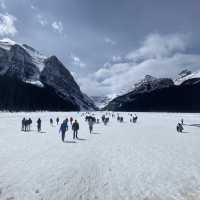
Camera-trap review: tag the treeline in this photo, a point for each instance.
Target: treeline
(16, 95)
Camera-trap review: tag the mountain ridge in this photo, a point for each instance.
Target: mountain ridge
(161, 94)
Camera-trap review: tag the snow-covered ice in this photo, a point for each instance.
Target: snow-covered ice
(147, 160)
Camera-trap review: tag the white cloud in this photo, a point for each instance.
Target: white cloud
(58, 26)
(160, 56)
(158, 46)
(92, 87)
(7, 25)
(109, 41)
(42, 20)
(77, 61)
(116, 58)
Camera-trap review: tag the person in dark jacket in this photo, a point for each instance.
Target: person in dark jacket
(182, 121)
(51, 122)
(39, 122)
(26, 125)
(29, 122)
(179, 127)
(23, 124)
(57, 120)
(90, 123)
(71, 120)
(63, 129)
(75, 128)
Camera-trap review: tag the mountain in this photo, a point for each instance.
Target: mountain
(161, 94)
(101, 101)
(186, 75)
(28, 68)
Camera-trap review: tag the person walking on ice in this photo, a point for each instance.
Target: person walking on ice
(39, 122)
(66, 121)
(179, 128)
(75, 128)
(51, 122)
(71, 120)
(63, 129)
(91, 123)
(23, 124)
(182, 121)
(57, 120)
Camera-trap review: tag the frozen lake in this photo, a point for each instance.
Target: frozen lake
(148, 160)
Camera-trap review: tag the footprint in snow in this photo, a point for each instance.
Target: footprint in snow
(10, 198)
(37, 191)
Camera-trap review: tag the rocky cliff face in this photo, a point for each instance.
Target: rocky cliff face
(58, 77)
(20, 64)
(23, 63)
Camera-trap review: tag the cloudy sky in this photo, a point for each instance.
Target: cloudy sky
(108, 45)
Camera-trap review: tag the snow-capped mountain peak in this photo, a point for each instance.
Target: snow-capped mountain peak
(186, 75)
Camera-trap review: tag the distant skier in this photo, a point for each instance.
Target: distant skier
(63, 128)
(75, 128)
(90, 123)
(39, 123)
(51, 122)
(57, 120)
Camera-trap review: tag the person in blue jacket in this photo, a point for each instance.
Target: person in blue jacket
(63, 129)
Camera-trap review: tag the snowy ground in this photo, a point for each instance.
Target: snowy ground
(147, 160)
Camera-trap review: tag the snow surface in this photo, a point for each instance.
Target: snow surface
(147, 160)
(37, 58)
(36, 82)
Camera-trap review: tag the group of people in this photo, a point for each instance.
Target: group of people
(134, 119)
(105, 119)
(26, 124)
(120, 119)
(89, 118)
(57, 121)
(64, 127)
